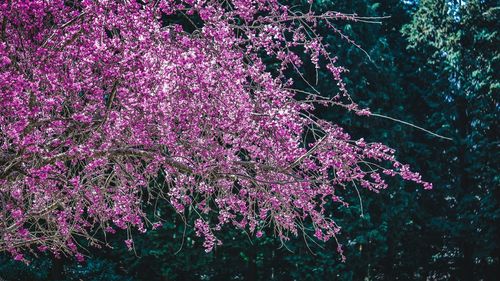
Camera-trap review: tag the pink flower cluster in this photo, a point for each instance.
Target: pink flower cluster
(104, 106)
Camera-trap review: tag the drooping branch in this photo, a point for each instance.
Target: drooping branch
(107, 105)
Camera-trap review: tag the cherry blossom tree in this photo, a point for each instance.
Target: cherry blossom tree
(109, 106)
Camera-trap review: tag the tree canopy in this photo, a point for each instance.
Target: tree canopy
(108, 106)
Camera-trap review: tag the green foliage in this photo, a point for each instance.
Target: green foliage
(460, 41)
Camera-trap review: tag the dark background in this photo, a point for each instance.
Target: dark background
(434, 64)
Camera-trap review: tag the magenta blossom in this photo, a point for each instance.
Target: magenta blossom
(99, 98)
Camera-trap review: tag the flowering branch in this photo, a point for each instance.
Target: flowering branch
(99, 98)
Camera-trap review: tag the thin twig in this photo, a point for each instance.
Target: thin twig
(409, 124)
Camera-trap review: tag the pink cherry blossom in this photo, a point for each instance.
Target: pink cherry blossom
(100, 98)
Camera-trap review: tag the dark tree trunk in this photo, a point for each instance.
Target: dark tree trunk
(57, 270)
(466, 263)
(252, 274)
